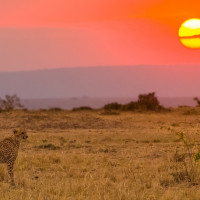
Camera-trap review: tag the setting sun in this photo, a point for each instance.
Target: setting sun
(189, 33)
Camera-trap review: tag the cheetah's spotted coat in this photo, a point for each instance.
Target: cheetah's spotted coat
(9, 150)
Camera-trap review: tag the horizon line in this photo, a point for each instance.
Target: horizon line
(100, 66)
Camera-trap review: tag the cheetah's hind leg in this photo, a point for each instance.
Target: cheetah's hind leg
(10, 172)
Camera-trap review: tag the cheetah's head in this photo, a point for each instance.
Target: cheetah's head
(20, 134)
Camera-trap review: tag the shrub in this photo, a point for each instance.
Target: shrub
(113, 106)
(130, 106)
(145, 102)
(148, 102)
(82, 108)
(55, 109)
(185, 162)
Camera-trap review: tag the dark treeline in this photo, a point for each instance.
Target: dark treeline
(145, 102)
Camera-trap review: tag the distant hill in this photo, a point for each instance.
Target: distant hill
(102, 83)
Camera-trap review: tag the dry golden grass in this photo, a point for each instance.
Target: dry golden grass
(90, 156)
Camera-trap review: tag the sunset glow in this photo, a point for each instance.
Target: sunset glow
(45, 34)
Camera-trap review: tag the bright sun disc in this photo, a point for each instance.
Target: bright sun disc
(189, 33)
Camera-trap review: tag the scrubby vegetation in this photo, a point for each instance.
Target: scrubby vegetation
(106, 153)
(145, 102)
(148, 102)
(10, 102)
(56, 109)
(113, 106)
(185, 162)
(82, 108)
(197, 100)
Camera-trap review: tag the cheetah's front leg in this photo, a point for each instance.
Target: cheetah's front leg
(10, 172)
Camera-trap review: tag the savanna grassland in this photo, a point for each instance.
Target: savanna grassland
(102, 156)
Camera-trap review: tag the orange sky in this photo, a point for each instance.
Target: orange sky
(61, 12)
(37, 34)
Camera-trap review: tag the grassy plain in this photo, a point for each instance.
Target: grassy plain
(90, 155)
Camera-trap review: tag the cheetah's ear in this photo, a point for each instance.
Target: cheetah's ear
(14, 131)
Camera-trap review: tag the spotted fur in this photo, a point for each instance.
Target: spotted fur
(9, 150)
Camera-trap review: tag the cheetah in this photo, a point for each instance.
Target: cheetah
(9, 151)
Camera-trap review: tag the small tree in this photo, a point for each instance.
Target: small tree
(197, 100)
(148, 101)
(10, 102)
